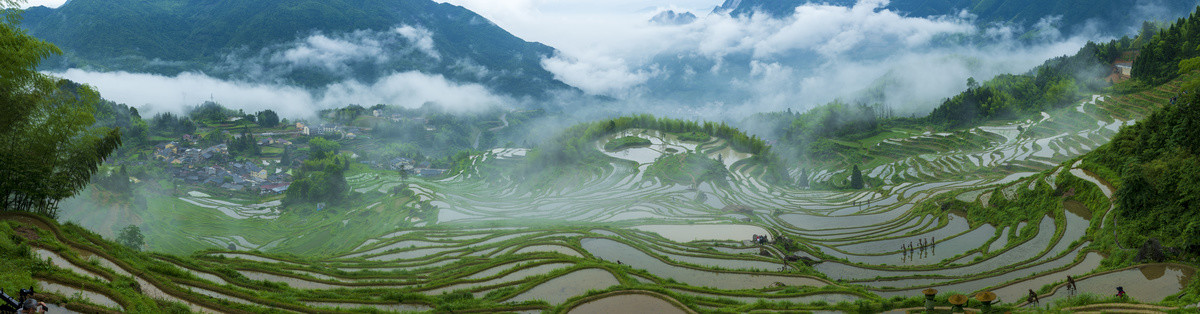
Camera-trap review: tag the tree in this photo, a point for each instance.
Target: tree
(214, 137)
(268, 118)
(319, 180)
(286, 158)
(49, 148)
(322, 177)
(246, 145)
(320, 148)
(803, 180)
(210, 112)
(856, 178)
(131, 237)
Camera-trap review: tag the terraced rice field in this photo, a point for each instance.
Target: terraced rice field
(533, 249)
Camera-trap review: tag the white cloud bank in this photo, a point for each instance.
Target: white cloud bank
(817, 54)
(157, 93)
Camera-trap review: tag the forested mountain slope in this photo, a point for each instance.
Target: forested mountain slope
(1111, 15)
(228, 38)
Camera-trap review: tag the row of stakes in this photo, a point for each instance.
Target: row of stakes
(957, 301)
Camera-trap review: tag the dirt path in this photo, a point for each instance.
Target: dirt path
(504, 119)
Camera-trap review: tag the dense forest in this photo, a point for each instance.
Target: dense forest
(1056, 83)
(1110, 14)
(1158, 162)
(169, 37)
(1159, 60)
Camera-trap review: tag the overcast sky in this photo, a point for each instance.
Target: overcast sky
(609, 48)
(574, 25)
(49, 3)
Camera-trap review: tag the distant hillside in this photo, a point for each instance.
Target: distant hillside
(670, 17)
(172, 36)
(1113, 15)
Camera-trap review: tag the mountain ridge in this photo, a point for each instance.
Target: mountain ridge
(1071, 15)
(173, 36)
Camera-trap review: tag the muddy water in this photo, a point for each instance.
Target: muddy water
(292, 282)
(418, 253)
(966, 259)
(1022, 252)
(560, 289)
(982, 283)
(68, 291)
(391, 269)
(1090, 177)
(61, 262)
(615, 251)
(723, 263)
(735, 250)
(255, 258)
(951, 241)
(832, 298)
(221, 296)
(200, 274)
(548, 248)
(1078, 220)
(729, 156)
(497, 269)
(1017, 292)
(398, 245)
(699, 232)
(514, 276)
(146, 287)
(1000, 241)
(1147, 283)
(401, 308)
(814, 222)
(626, 303)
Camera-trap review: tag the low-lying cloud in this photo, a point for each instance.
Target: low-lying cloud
(736, 66)
(336, 56)
(157, 93)
(421, 38)
(332, 54)
(718, 67)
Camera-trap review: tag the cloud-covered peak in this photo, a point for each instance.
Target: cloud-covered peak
(669, 17)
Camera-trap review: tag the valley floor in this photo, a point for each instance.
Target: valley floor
(1018, 214)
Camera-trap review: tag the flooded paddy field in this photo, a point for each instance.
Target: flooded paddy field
(619, 240)
(725, 241)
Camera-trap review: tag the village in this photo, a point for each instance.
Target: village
(189, 162)
(214, 166)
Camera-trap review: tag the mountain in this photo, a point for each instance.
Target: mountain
(1112, 15)
(305, 42)
(670, 17)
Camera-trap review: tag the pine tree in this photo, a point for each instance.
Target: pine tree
(803, 181)
(286, 159)
(856, 178)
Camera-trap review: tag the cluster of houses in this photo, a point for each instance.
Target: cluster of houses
(424, 168)
(328, 129)
(213, 167)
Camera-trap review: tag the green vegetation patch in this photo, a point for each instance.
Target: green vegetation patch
(626, 142)
(694, 137)
(688, 168)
